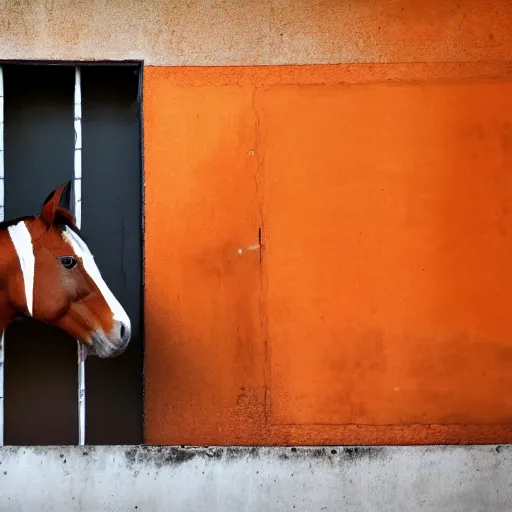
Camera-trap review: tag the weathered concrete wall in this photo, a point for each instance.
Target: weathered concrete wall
(367, 479)
(223, 32)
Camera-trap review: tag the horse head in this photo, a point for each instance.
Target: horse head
(51, 276)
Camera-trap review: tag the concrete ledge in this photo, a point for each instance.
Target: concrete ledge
(225, 479)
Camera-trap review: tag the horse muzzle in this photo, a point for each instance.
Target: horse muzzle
(111, 345)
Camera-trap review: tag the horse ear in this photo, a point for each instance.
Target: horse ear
(52, 208)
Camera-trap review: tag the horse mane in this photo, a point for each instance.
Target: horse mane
(64, 218)
(7, 223)
(61, 221)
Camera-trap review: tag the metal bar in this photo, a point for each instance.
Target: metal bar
(77, 187)
(2, 210)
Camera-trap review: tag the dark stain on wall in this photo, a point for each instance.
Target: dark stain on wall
(160, 456)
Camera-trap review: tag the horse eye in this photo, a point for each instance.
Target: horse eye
(68, 262)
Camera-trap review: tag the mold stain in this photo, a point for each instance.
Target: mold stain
(169, 456)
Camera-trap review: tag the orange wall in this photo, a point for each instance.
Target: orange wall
(379, 311)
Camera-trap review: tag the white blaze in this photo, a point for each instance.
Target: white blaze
(82, 251)
(22, 242)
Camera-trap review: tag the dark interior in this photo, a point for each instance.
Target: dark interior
(41, 361)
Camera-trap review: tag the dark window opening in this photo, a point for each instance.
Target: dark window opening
(41, 361)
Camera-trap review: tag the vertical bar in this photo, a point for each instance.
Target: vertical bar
(2, 210)
(77, 187)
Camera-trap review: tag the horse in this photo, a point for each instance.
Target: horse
(47, 272)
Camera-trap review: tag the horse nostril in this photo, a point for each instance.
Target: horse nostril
(123, 334)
